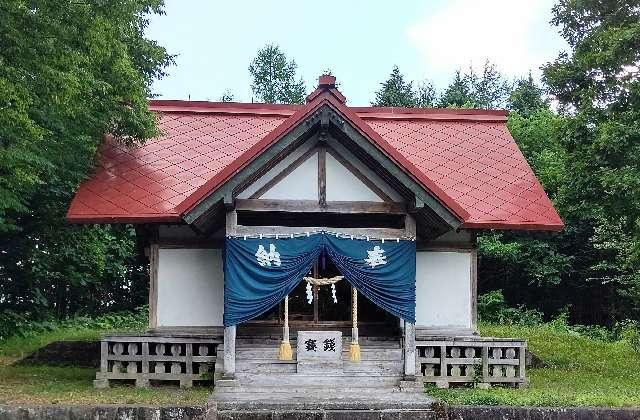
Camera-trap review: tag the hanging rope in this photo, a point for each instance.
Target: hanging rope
(354, 348)
(312, 281)
(323, 281)
(285, 352)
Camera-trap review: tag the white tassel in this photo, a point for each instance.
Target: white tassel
(309, 294)
(333, 293)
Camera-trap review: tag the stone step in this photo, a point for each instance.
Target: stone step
(295, 413)
(371, 403)
(296, 392)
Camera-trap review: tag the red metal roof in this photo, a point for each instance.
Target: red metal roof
(466, 158)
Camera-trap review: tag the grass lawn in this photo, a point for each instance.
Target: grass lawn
(39, 384)
(579, 371)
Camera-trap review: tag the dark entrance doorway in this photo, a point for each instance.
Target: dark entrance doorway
(323, 313)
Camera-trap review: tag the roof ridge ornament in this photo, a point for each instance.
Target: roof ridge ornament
(327, 83)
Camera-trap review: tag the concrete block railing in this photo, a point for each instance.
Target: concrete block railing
(146, 357)
(481, 360)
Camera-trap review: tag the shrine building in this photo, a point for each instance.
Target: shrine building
(314, 245)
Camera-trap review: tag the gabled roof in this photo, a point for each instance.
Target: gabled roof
(465, 158)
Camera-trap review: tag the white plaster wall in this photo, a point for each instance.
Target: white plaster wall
(342, 185)
(364, 169)
(284, 163)
(301, 184)
(443, 289)
(190, 287)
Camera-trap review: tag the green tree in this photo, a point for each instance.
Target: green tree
(587, 159)
(598, 88)
(396, 91)
(69, 72)
(426, 95)
(472, 90)
(227, 96)
(458, 94)
(539, 137)
(274, 78)
(490, 88)
(526, 97)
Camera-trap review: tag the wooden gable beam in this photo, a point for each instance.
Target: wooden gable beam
(312, 206)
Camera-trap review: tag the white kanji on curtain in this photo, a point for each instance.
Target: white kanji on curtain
(376, 257)
(265, 258)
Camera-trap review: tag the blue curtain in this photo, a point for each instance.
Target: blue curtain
(259, 273)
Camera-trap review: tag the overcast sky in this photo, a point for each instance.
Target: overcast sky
(359, 41)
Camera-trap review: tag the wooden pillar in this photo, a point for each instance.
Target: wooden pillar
(229, 352)
(322, 176)
(474, 291)
(229, 370)
(154, 253)
(409, 351)
(410, 328)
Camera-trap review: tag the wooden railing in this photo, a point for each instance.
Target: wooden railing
(479, 360)
(144, 358)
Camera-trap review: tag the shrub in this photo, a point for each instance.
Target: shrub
(630, 332)
(12, 324)
(493, 308)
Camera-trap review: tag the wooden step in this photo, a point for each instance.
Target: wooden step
(371, 367)
(255, 366)
(353, 379)
(365, 353)
(364, 342)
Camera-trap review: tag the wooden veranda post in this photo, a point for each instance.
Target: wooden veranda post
(230, 331)
(409, 351)
(230, 352)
